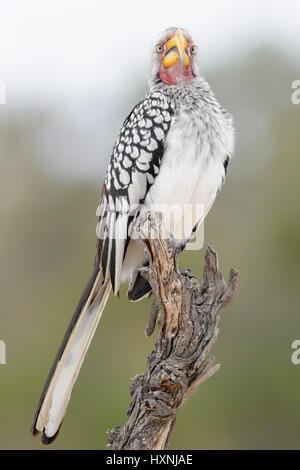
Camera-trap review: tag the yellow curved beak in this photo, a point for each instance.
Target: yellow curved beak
(177, 51)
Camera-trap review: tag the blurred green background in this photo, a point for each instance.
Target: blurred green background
(47, 246)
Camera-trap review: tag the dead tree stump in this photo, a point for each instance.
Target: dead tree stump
(187, 317)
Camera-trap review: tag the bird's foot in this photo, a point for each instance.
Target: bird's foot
(175, 247)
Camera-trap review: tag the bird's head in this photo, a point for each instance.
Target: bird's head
(174, 58)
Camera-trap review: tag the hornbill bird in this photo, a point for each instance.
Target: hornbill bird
(173, 148)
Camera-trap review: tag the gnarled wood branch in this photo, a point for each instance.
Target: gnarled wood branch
(187, 317)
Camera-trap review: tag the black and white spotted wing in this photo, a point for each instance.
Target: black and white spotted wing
(134, 165)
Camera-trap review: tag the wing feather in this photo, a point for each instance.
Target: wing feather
(134, 165)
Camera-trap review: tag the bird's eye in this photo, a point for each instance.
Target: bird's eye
(159, 48)
(193, 50)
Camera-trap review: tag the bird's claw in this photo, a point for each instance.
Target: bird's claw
(174, 248)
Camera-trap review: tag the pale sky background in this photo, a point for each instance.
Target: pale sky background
(78, 46)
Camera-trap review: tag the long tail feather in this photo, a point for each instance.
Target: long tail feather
(64, 372)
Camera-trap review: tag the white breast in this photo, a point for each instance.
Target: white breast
(188, 180)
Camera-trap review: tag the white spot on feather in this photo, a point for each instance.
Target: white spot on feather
(153, 145)
(159, 133)
(127, 162)
(124, 177)
(134, 153)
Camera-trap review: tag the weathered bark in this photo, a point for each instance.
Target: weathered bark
(187, 316)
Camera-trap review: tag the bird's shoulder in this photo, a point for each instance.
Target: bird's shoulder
(154, 102)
